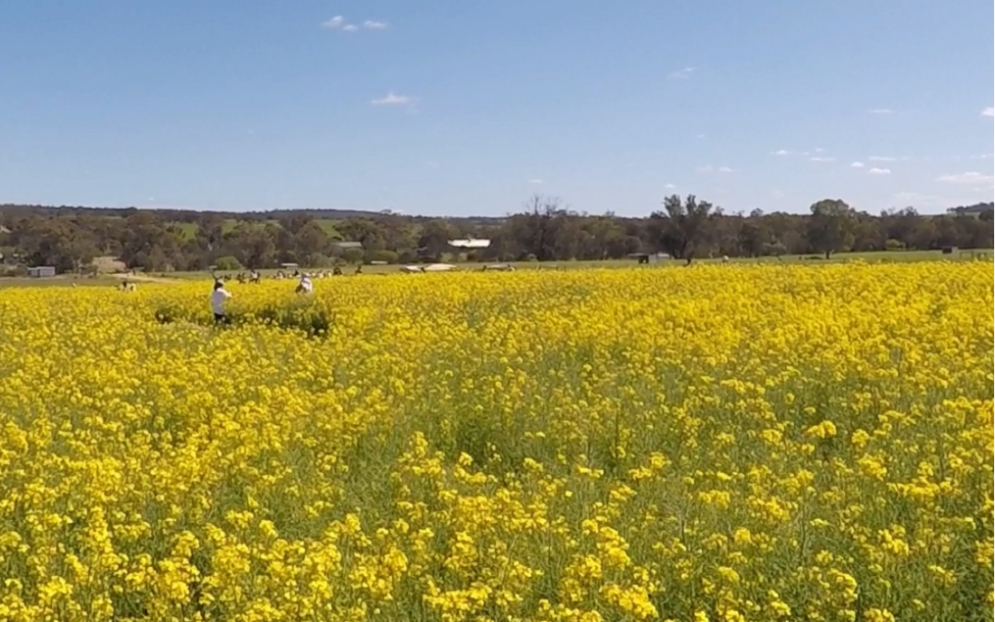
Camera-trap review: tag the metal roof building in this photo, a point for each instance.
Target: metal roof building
(470, 243)
(40, 272)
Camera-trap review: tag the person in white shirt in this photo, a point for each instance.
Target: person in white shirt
(219, 297)
(305, 286)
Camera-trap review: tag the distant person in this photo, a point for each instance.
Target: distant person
(305, 286)
(219, 297)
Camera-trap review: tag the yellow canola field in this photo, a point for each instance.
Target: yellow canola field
(719, 443)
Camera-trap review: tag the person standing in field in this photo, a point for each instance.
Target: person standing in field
(305, 286)
(219, 297)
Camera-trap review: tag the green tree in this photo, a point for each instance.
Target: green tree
(353, 255)
(434, 239)
(753, 234)
(831, 226)
(680, 227)
(58, 242)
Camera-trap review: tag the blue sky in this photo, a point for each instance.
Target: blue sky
(462, 108)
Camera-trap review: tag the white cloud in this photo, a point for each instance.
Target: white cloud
(724, 169)
(988, 112)
(350, 28)
(881, 111)
(970, 178)
(819, 149)
(374, 25)
(336, 22)
(822, 160)
(536, 181)
(708, 168)
(681, 74)
(881, 159)
(879, 171)
(392, 99)
(669, 186)
(857, 165)
(780, 152)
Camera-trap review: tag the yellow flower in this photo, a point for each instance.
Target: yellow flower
(557, 446)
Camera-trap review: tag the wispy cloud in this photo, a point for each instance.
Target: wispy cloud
(708, 168)
(988, 112)
(536, 182)
(669, 186)
(336, 22)
(681, 74)
(724, 169)
(882, 159)
(970, 178)
(879, 171)
(339, 23)
(822, 159)
(393, 99)
(780, 152)
(857, 165)
(881, 111)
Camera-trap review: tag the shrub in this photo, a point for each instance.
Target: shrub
(228, 262)
(353, 255)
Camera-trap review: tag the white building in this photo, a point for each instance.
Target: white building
(469, 243)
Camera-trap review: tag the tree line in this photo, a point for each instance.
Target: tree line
(545, 229)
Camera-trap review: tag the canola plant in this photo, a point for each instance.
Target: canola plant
(720, 443)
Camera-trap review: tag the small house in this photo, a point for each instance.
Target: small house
(648, 258)
(41, 272)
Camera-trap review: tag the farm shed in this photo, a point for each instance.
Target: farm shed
(41, 272)
(650, 258)
(347, 245)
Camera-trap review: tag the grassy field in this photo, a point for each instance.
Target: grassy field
(725, 443)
